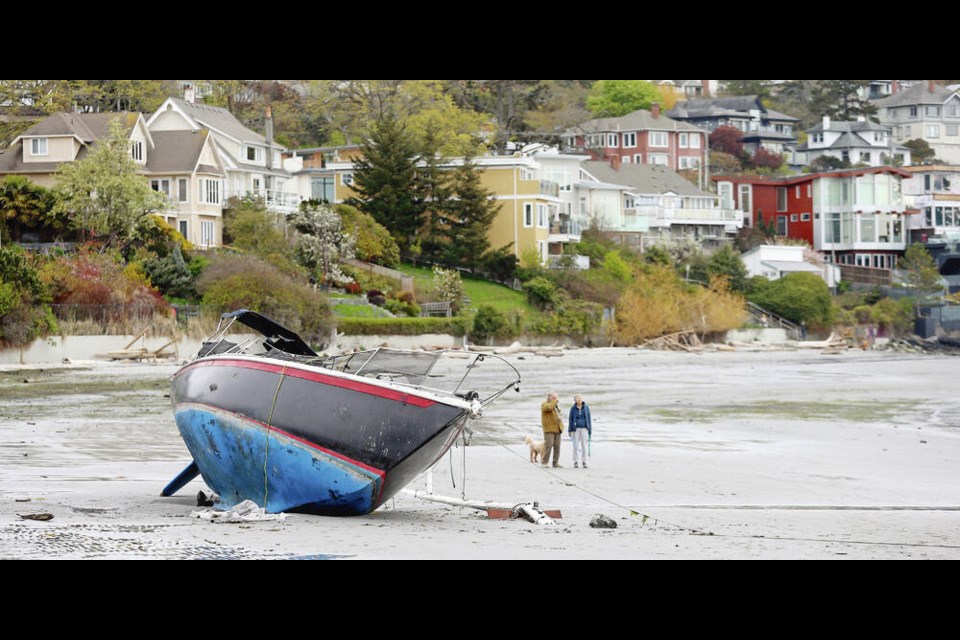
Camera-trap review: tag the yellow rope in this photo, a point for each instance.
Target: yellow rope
(266, 450)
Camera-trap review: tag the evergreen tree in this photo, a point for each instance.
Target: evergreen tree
(841, 100)
(433, 191)
(920, 274)
(384, 181)
(468, 216)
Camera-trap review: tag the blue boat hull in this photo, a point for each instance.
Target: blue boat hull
(241, 459)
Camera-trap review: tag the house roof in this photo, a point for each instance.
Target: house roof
(220, 119)
(11, 161)
(807, 177)
(644, 178)
(917, 94)
(639, 120)
(734, 106)
(849, 125)
(175, 151)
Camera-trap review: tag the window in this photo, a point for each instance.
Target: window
(528, 214)
(346, 179)
(804, 217)
(878, 136)
(689, 163)
(256, 185)
(612, 140)
(626, 159)
(694, 140)
(725, 191)
(254, 154)
(38, 146)
(684, 137)
(322, 188)
(953, 111)
(628, 202)
(952, 130)
(926, 182)
(525, 174)
(745, 198)
(629, 139)
(931, 110)
(817, 137)
(161, 185)
(781, 198)
(809, 190)
(210, 191)
(865, 156)
(906, 131)
(657, 139)
(781, 225)
(941, 182)
(542, 216)
(933, 130)
(793, 217)
(183, 228)
(136, 150)
(658, 158)
(796, 192)
(638, 158)
(913, 112)
(928, 216)
(182, 190)
(207, 231)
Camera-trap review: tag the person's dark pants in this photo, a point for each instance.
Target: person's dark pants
(552, 441)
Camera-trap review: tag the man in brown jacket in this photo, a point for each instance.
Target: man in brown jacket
(552, 428)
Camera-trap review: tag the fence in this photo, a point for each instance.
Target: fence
(406, 282)
(866, 275)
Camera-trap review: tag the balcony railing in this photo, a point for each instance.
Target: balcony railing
(566, 227)
(670, 214)
(271, 197)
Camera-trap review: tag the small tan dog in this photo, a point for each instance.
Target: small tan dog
(536, 448)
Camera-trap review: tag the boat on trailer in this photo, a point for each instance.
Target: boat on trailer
(267, 419)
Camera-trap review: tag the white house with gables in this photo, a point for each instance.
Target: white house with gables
(252, 161)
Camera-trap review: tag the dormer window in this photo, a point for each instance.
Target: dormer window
(38, 146)
(254, 154)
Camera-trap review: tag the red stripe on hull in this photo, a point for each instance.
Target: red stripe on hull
(333, 381)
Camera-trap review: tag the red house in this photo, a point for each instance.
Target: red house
(641, 137)
(852, 216)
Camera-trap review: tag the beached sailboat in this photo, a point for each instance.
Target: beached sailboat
(267, 419)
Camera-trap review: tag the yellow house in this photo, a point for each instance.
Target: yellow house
(528, 204)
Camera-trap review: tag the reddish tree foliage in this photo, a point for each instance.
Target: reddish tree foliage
(728, 140)
(764, 159)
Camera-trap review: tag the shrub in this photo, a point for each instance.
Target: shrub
(234, 282)
(24, 314)
(398, 307)
(491, 322)
(798, 297)
(541, 293)
(574, 318)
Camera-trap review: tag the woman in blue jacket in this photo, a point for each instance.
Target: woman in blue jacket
(580, 430)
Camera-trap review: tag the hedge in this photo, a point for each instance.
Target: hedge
(457, 326)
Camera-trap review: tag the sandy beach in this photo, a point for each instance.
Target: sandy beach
(729, 455)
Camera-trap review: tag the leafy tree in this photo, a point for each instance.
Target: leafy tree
(323, 242)
(507, 101)
(725, 261)
(920, 151)
(724, 163)
(798, 297)
(727, 140)
(829, 163)
(562, 105)
(24, 204)
(104, 192)
(24, 310)
(248, 225)
(759, 88)
(841, 99)
(613, 98)
(384, 180)
(921, 274)
(373, 241)
(764, 159)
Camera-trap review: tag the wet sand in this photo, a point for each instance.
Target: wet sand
(730, 455)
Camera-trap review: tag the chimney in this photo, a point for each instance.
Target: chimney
(894, 87)
(826, 122)
(705, 88)
(655, 109)
(615, 162)
(189, 94)
(930, 84)
(268, 123)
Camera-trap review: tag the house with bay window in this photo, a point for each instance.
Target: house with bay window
(851, 216)
(762, 127)
(253, 162)
(641, 137)
(926, 111)
(183, 165)
(933, 191)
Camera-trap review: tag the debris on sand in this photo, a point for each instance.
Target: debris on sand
(601, 521)
(42, 517)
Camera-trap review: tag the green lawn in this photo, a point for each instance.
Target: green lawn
(480, 292)
(355, 311)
